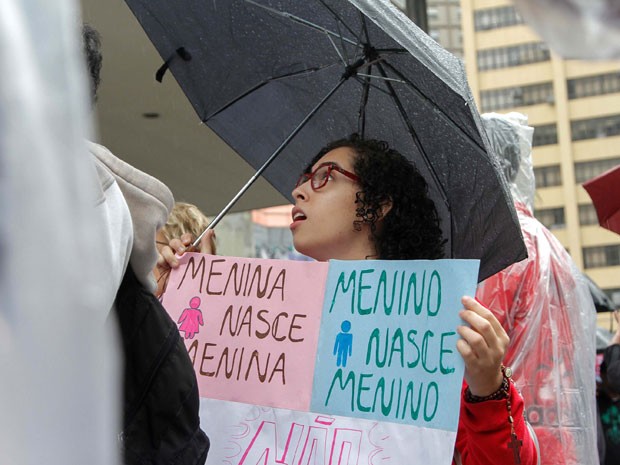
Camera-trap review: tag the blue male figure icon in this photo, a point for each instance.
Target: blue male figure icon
(344, 344)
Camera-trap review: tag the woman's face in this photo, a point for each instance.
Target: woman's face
(323, 219)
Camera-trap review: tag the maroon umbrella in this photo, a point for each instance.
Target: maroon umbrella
(604, 191)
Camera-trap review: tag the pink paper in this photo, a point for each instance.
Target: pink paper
(250, 326)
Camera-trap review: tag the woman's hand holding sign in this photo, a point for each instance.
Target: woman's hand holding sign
(178, 246)
(482, 347)
(169, 253)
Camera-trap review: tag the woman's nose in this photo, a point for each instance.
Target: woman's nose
(300, 191)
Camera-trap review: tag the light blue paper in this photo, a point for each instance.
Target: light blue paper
(412, 305)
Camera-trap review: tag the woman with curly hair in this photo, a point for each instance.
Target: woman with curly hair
(358, 199)
(385, 177)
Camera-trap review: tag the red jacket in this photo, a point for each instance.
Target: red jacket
(484, 432)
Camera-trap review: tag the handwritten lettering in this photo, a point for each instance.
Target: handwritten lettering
(421, 295)
(304, 444)
(280, 326)
(401, 349)
(226, 278)
(238, 364)
(369, 393)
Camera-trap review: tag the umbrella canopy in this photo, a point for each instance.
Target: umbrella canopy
(602, 302)
(604, 190)
(283, 78)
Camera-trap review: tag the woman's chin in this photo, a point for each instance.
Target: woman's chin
(307, 250)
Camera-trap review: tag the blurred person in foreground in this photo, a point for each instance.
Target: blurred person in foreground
(544, 305)
(185, 223)
(160, 392)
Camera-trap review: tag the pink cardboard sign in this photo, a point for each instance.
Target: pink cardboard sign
(251, 326)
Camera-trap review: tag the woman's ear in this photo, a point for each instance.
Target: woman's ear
(385, 208)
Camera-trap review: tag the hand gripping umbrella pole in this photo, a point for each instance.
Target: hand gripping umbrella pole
(271, 158)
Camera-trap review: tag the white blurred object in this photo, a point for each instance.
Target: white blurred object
(511, 132)
(582, 29)
(58, 395)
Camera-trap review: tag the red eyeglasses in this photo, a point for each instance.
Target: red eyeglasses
(319, 177)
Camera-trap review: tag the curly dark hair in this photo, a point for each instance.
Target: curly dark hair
(411, 228)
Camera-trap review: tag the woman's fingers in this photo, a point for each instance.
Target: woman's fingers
(169, 254)
(482, 345)
(483, 322)
(484, 314)
(207, 242)
(476, 342)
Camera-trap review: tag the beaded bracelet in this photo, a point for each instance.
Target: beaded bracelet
(502, 393)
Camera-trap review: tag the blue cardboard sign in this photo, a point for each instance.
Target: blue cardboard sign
(387, 342)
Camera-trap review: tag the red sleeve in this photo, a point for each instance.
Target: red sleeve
(484, 432)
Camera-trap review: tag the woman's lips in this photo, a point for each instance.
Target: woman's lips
(298, 216)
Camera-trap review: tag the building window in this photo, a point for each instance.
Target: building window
(597, 257)
(510, 97)
(587, 215)
(595, 128)
(593, 85)
(548, 176)
(504, 57)
(552, 218)
(588, 169)
(545, 135)
(493, 18)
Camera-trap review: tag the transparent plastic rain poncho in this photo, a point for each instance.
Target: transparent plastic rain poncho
(585, 29)
(544, 304)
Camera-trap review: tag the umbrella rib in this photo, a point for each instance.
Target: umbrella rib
(344, 49)
(414, 135)
(344, 61)
(340, 20)
(393, 51)
(364, 27)
(271, 158)
(301, 21)
(361, 120)
(261, 84)
(363, 32)
(381, 78)
(440, 112)
(418, 144)
(363, 82)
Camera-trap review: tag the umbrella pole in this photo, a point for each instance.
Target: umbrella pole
(265, 165)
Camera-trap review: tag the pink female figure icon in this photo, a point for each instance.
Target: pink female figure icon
(191, 319)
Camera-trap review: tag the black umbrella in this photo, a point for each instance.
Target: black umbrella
(283, 78)
(601, 300)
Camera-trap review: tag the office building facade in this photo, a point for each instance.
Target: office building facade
(574, 107)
